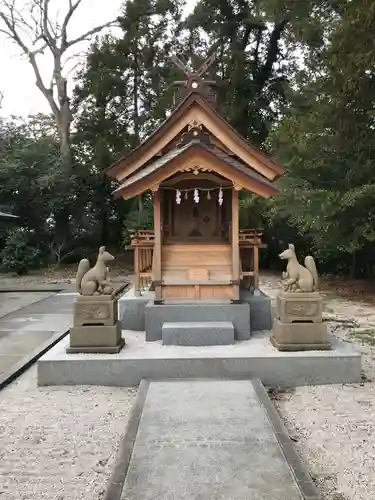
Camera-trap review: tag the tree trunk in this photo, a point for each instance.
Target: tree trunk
(65, 115)
(353, 266)
(136, 113)
(65, 147)
(104, 228)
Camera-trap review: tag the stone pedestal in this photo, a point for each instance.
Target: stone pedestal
(96, 328)
(298, 325)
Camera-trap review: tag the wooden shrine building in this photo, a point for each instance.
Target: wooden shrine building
(195, 165)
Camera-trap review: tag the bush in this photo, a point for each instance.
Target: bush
(19, 254)
(136, 221)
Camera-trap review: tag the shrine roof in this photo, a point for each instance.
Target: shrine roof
(124, 163)
(152, 169)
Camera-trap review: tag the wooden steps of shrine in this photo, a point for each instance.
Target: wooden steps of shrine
(197, 282)
(181, 255)
(198, 273)
(201, 271)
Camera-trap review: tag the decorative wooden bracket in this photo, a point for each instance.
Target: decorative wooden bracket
(201, 70)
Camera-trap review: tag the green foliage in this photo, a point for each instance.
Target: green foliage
(297, 78)
(327, 146)
(19, 254)
(136, 220)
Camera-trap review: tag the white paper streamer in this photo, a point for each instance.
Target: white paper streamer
(220, 199)
(178, 197)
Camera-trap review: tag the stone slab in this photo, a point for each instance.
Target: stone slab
(157, 315)
(27, 333)
(198, 334)
(301, 335)
(95, 310)
(13, 301)
(21, 342)
(94, 337)
(7, 361)
(102, 349)
(33, 288)
(295, 307)
(260, 310)
(190, 442)
(131, 312)
(255, 358)
(300, 347)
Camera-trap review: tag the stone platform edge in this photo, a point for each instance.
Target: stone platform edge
(122, 461)
(299, 470)
(251, 359)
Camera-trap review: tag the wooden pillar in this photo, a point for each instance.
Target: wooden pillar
(137, 280)
(157, 246)
(256, 266)
(170, 208)
(235, 243)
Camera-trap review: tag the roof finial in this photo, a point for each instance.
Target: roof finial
(194, 81)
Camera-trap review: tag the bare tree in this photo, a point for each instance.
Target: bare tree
(33, 29)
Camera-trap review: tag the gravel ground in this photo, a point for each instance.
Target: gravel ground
(332, 426)
(59, 443)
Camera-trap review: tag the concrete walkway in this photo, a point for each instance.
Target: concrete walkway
(211, 440)
(25, 329)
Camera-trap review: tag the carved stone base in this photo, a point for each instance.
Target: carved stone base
(96, 350)
(300, 336)
(98, 339)
(100, 310)
(299, 347)
(293, 306)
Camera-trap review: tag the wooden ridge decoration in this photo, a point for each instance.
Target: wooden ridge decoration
(194, 133)
(194, 81)
(196, 169)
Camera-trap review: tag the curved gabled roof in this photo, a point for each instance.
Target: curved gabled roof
(195, 151)
(137, 158)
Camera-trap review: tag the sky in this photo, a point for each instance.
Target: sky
(17, 81)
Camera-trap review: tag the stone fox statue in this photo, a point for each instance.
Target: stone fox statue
(298, 278)
(94, 281)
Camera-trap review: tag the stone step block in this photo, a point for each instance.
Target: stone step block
(198, 333)
(299, 336)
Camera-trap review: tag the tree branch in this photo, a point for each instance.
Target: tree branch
(272, 52)
(46, 34)
(10, 23)
(87, 35)
(72, 8)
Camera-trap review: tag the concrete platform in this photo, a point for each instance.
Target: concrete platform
(258, 313)
(25, 330)
(198, 334)
(255, 358)
(195, 440)
(203, 312)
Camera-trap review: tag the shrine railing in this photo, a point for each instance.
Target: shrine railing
(250, 237)
(143, 244)
(143, 238)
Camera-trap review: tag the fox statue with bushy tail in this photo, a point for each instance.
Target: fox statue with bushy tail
(298, 278)
(94, 281)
